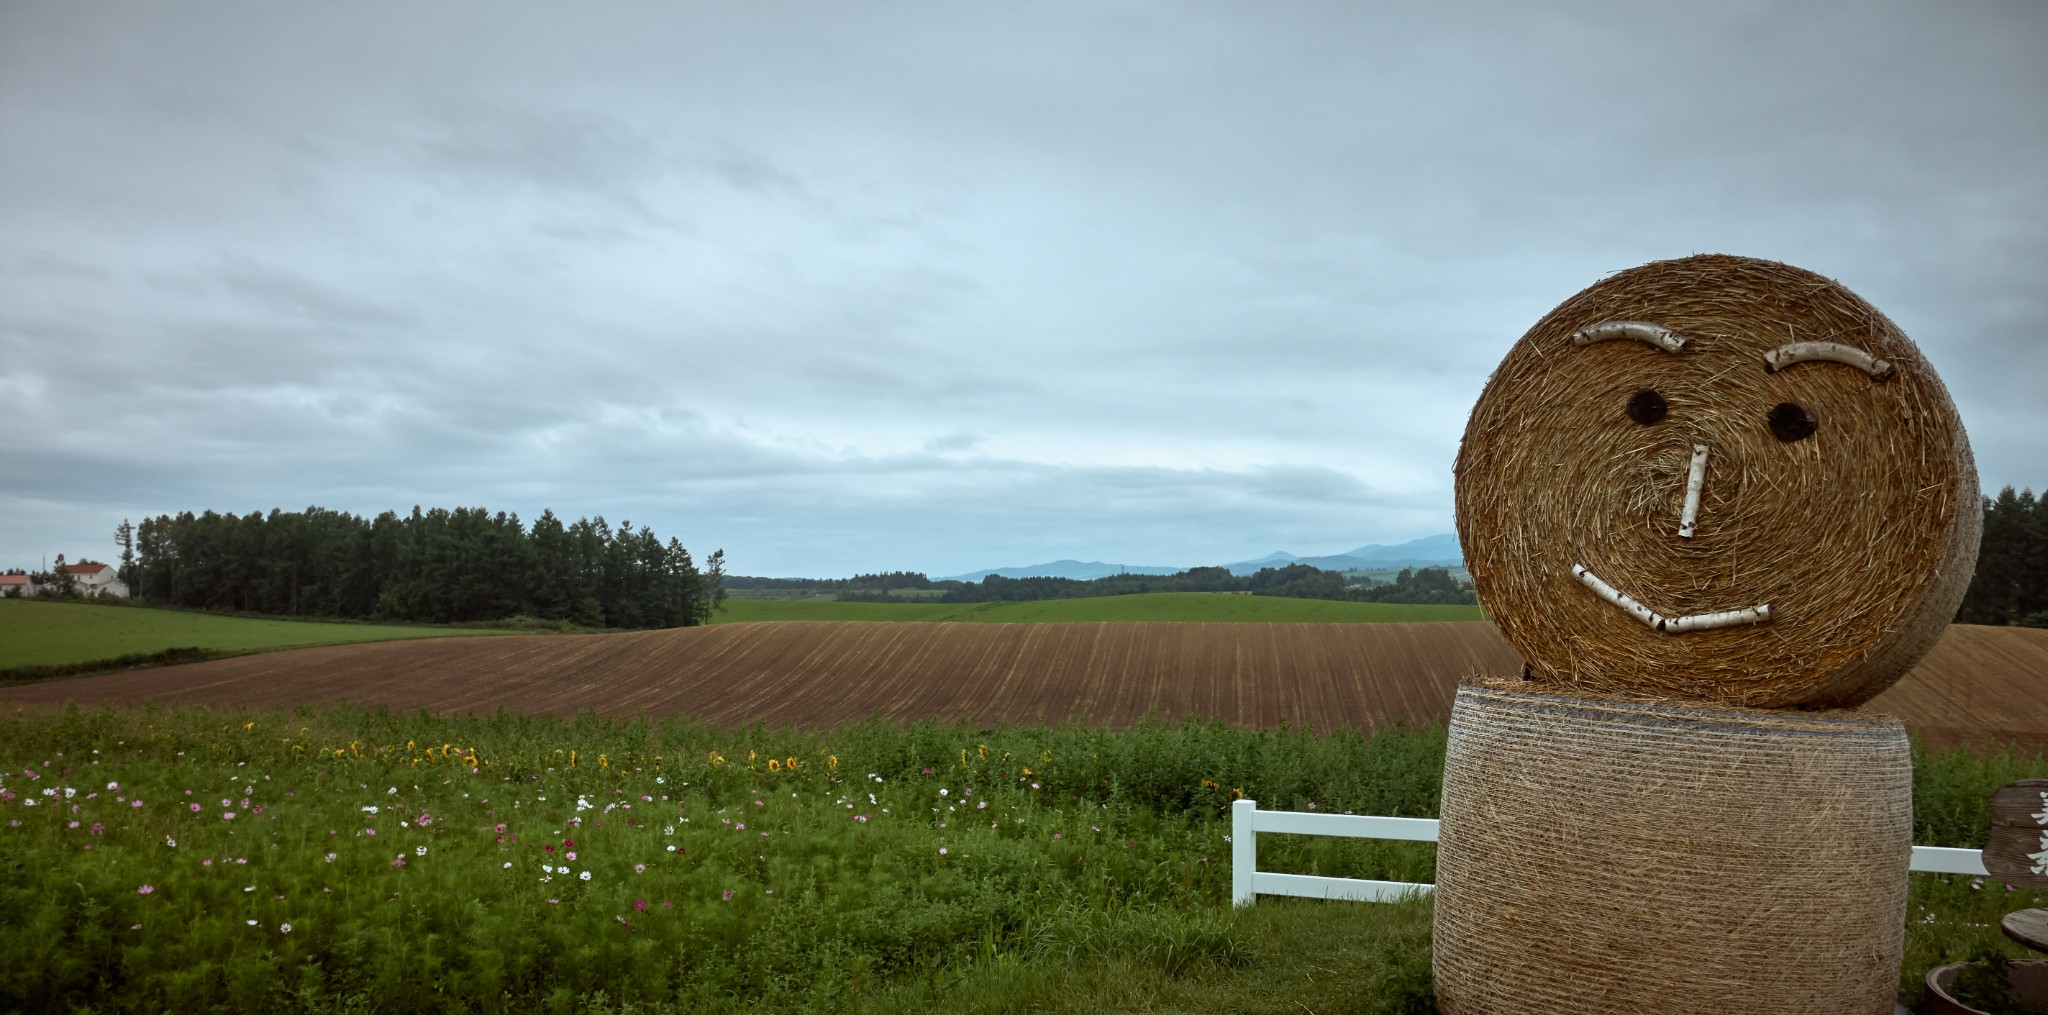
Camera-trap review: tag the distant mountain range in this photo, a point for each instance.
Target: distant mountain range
(1429, 551)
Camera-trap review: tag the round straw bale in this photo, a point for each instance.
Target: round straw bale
(1718, 478)
(1602, 855)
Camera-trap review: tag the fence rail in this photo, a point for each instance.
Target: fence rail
(1248, 882)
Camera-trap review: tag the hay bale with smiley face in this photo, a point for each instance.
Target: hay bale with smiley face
(1718, 478)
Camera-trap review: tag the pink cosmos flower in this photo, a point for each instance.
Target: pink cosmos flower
(134, 803)
(639, 904)
(227, 815)
(501, 828)
(571, 856)
(423, 820)
(195, 808)
(146, 890)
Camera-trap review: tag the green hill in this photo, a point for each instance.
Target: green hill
(1187, 606)
(56, 634)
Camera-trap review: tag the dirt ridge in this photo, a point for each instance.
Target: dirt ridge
(1979, 684)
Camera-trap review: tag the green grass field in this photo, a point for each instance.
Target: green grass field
(1172, 606)
(55, 634)
(337, 859)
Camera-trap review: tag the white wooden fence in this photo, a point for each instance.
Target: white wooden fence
(1247, 881)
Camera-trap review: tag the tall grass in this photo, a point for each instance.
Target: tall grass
(344, 859)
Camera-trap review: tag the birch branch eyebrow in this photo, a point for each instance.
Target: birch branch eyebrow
(1828, 352)
(1642, 331)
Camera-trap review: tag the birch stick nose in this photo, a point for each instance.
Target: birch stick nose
(1695, 478)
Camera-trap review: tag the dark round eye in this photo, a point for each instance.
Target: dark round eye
(1647, 407)
(1791, 421)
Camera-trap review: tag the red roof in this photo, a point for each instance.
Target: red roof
(84, 568)
(13, 579)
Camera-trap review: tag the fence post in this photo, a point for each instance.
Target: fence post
(1244, 852)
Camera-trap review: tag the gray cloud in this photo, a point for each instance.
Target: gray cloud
(938, 287)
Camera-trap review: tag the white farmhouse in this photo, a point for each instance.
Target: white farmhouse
(97, 580)
(17, 585)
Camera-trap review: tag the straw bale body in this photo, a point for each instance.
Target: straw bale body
(1718, 478)
(1606, 855)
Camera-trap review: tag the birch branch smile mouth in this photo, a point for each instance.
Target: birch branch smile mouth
(1757, 614)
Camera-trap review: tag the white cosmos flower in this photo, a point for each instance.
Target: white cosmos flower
(585, 875)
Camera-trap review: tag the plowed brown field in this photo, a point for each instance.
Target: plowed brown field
(1980, 683)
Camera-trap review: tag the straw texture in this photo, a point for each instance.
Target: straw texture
(1845, 504)
(1599, 855)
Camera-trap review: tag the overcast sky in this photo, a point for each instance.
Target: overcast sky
(854, 287)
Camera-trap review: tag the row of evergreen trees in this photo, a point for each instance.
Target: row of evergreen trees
(434, 566)
(2011, 585)
(1302, 581)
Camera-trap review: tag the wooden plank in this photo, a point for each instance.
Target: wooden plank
(1947, 860)
(2029, 927)
(2022, 804)
(1351, 826)
(2017, 851)
(1347, 889)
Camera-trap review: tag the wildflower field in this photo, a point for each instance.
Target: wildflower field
(340, 859)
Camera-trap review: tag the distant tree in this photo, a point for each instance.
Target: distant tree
(124, 537)
(434, 565)
(60, 581)
(2010, 585)
(1429, 585)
